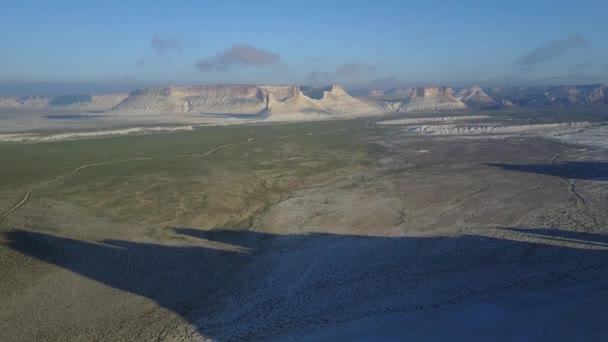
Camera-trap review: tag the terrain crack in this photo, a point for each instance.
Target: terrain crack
(570, 183)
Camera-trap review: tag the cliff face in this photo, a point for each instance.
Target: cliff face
(302, 103)
(582, 95)
(202, 99)
(221, 99)
(476, 97)
(272, 102)
(433, 98)
(419, 99)
(279, 102)
(443, 98)
(552, 96)
(394, 94)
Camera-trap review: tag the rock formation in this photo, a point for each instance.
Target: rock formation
(278, 102)
(476, 97)
(552, 96)
(283, 103)
(419, 99)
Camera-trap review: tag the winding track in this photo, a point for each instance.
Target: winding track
(28, 194)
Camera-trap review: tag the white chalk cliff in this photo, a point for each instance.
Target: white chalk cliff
(284, 103)
(419, 99)
(475, 97)
(273, 102)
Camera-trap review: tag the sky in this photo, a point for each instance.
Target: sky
(105, 46)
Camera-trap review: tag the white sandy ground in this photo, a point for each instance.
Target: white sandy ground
(469, 129)
(45, 123)
(31, 137)
(442, 119)
(593, 136)
(42, 129)
(579, 133)
(36, 124)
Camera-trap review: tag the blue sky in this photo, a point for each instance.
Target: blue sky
(134, 43)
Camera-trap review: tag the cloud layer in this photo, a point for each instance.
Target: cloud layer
(551, 50)
(319, 78)
(345, 72)
(238, 55)
(348, 70)
(163, 44)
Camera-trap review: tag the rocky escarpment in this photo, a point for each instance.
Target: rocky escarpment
(574, 96)
(229, 99)
(282, 103)
(276, 102)
(444, 98)
(552, 96)
(419, 99)
(271, 102)
(476, 97)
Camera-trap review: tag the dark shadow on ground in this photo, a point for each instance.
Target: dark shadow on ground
(571, 170)
(584, 237)
(251, 285)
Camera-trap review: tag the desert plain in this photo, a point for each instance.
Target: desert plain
(424, 227)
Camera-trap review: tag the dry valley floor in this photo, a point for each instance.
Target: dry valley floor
(313, 231)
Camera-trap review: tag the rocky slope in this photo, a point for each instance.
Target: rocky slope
(274, 102)
(419, 99)
(476, 97)
(552, 96)
(201, 99)
(444, 98)
(280, 103)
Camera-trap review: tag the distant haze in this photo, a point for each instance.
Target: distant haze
(16, 88)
